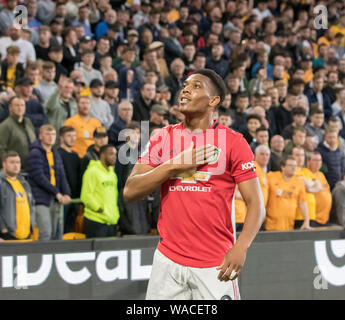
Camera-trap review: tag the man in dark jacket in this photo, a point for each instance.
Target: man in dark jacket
(17, 132)
(332, 158)
(49, 184)
(143, 103)
(216, 61)
(100, 138)
(17, 210)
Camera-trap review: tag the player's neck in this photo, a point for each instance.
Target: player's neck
(204, 123)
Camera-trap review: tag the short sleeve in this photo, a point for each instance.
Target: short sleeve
(242, 165)
(152, 153)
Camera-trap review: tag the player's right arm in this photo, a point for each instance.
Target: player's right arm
(144, 178)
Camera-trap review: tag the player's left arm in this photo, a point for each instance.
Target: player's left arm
(236, 256)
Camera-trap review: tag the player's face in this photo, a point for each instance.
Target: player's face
(196, 95)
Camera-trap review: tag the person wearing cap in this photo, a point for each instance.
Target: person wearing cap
(11, 69)
(89, 73)
(34, 109)
(306, 65)
(86, 43)
(133, 37)
(157, 114)
(47, 86)
(100, 138)
(100, 109)
(17, 131)
(158, 46)
(61, 105)
(55, 55)
(84, 125)
(125, 114)
(111, 95)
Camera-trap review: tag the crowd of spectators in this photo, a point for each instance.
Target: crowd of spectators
(76, 73)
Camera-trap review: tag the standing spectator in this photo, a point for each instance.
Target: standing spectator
(277, 147)
(175, 80)
(11, 69)
(17, 132)
(89, 73)
(100, 109)
(70, 52)
(100, 139)
(286, 194)
(55, 55)
(42, 47)
(216, 61)
(240, 114)
(17, 209)
(49, 184)
(7, 15)
(323, 198)
(71, 163)
(299, 136)
(332, 158)
(144, 102)
(47, 85)
(172, 46)
(299, 117)
(84, 126)
(315, 126)
(152, 24)
(111, 95)
(33, 109)
(27, 51)
(61, 105)
(125, 114)
(99, 195)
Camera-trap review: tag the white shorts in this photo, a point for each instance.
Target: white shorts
(172, 281)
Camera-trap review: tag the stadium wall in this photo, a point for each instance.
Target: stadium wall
(289, 265)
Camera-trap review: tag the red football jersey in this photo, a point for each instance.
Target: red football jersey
(195, 224)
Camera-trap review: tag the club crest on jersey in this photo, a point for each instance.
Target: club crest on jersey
(215, 157)
(193, 176)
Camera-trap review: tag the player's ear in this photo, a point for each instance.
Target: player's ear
(214, 101)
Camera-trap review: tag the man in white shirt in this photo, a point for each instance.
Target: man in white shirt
(27, 51)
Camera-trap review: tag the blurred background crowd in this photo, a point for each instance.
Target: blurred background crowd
(74, 74)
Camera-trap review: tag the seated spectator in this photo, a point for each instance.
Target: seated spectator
(49, 185)
(216, 61)
(71, 163)
(129, 84)
(312, 186)
(7, 15)
(61, 105)
(84, 126)
(17, 131)
(110, 18)
(299, 118)
(286, 193)
(262, 137)
(240, 114)
(172, 46)
(55, 55)
(176, 78)
(253, 123)
(298, 140)
(323, 198)
(47, 85)
(100, 139)
(262, 61)
(277, 147)
(255, 85)
(262, 157)
(17, 209)
(125, 114)
(102, 50)
(11, 69)
(332, 158)
(144, 102)
(42, 47)
(224, 118)
(89, 73)
(339, 100)
(99, 195)
(199, 62)
(100, 109)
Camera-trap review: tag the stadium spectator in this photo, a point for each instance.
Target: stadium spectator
(125, 114)
(100, 109)
(315, 125)
(11, 69)
(299, 118)
(49, 185)
(240, 114)
(262, 157)
(111, 95)
(84, 126)
(42, 47)
(286, 194)
(71, 163)
(332, 158)
(61, 105)
(55, 55)
(175, 80)
(89, 73)
(144, 102)
(17, 131)
(224, 118)
(17, 209)
(298, 139)
(253, 123)
(70, 51)
(262, 137)
(100, 138)
(323, 198)
(110, 18)
(47, 86)
(338, 210)
(99, 195)
(216, 61)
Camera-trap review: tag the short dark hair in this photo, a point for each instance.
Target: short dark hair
(105, 148)
(298, 111)
(133, 125)
(261, 128)
(300, 129)
(63, 130)
(216, 80)
(9, 154)
(285, 159)
(253, 116)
